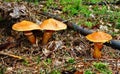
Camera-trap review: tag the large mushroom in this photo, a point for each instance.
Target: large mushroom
(98, 38)
(50, 26)
(27, 27)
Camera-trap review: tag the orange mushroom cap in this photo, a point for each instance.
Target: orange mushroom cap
(52, 24)
(99, 37)
(25, 26)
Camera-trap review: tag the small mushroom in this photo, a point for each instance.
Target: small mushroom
(50, 26)
(98, 38)
(27, 27)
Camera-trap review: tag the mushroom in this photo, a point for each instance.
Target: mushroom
(98, 38)
(27, 27)
(50, 26)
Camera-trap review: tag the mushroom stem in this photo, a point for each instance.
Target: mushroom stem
(30, 36)
(97, 49)
(47, 35)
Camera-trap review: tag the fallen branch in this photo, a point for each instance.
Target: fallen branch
(82, 30)
(102, 3)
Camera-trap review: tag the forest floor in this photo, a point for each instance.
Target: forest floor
(67, 52)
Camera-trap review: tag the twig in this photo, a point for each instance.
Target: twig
(11, 55)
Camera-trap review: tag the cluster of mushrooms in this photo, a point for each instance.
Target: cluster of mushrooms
(51, 25)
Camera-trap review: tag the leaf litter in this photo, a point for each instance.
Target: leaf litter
(67, 51)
